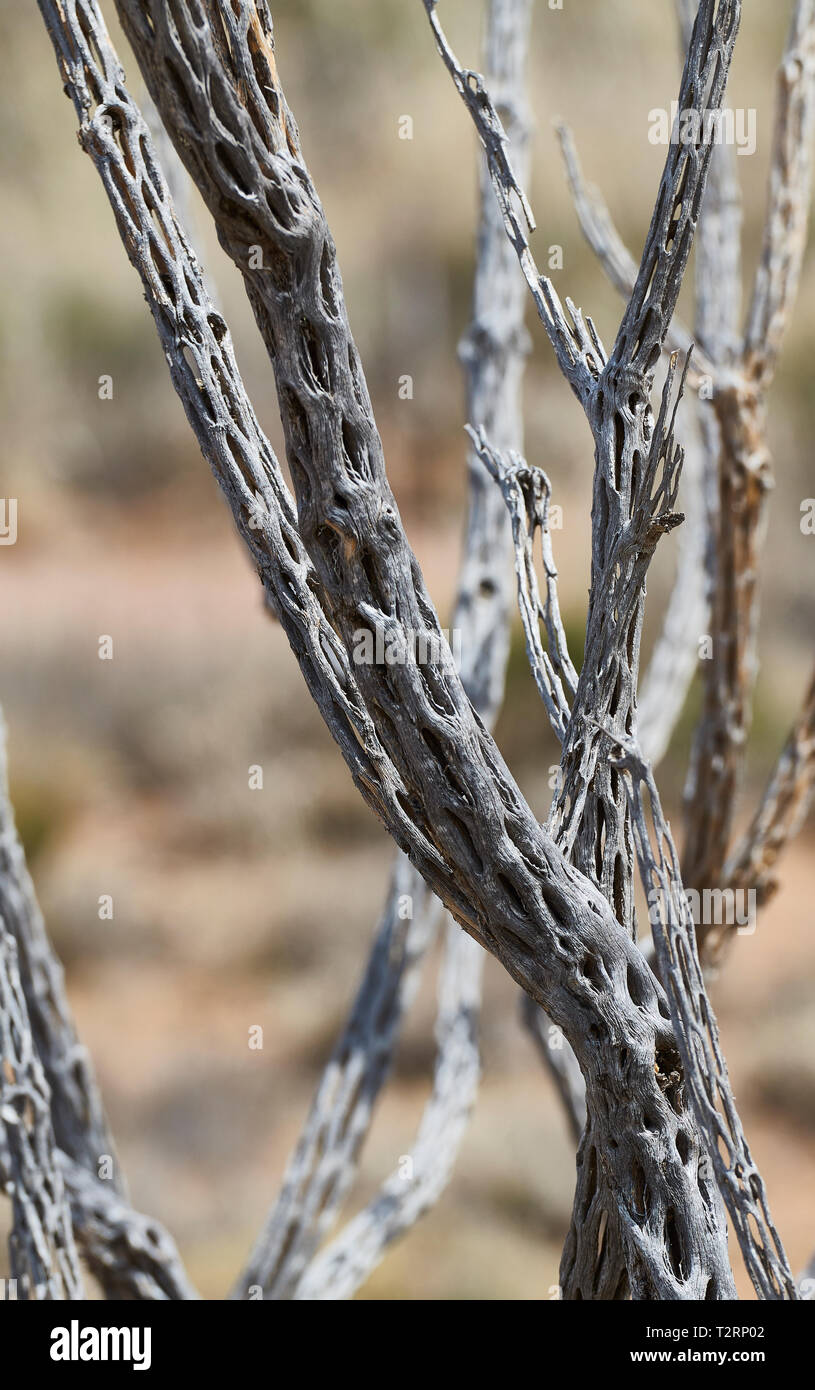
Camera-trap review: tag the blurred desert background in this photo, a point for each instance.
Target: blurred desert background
(234, 908)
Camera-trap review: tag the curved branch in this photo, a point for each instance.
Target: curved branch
(131, 1255)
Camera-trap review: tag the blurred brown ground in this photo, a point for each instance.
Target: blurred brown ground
(236, 907)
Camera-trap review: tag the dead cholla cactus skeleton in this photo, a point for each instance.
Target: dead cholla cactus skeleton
(662, 1162)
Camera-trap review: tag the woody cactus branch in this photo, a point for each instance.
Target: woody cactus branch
(735, 442)
(738, 371)
(785, 230)
(147, 1265)
(745, 470)
(493, 352)
(527, 492)
(449, 797)
(310, 455)
(673, 661)
(131, 1255)
(650, 308)
(78, 1116)
(324, 1165)
(600, 231)
(705, 1069)
(590, 817)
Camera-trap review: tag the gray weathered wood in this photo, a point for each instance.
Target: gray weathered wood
(705, 1069)
(493, 352)
(459, 786)
(422, 757)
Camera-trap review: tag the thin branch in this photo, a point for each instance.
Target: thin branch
(415, 1186)
(752, 865)
(324, 1164)
(717, 298)
(739, 511)
(579, 352)
(718, 244)
(608, 677)
(131, 1255)
(705, 1069)
(673, 662)
(787, 219)
(527, 492)
(600, 231)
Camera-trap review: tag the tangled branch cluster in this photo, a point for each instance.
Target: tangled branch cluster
(662, 1150)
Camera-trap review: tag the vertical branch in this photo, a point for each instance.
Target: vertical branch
(673, 661)
(325, 1162)
(718, 291)
(705, 1069)
(666, 682)
(787, 219)
(590, 819)
(745, 478)
(717, 570)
